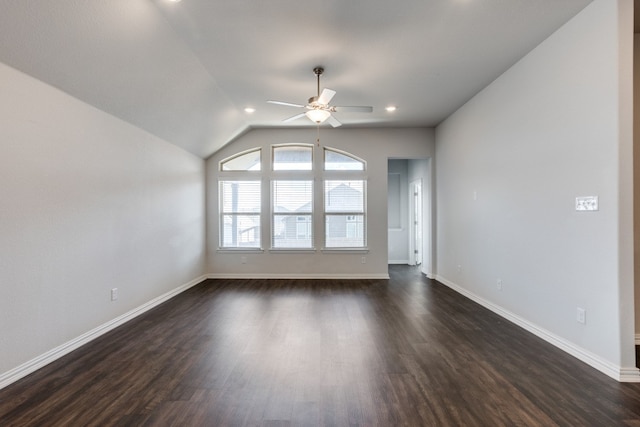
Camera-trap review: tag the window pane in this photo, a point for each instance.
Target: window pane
(292, 219)
(240, 196)
(244, 162)
(344, 196)
(240, 214)
(292, 196)
(292, 231)
(294, 157)
(344, 231)
(334, 161)
(344, 214)
(241, 231)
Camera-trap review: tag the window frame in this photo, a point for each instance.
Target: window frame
(222, 214)
(292, 214)
(318, 175)
(238, 155)
(343, 153)
(345, 213)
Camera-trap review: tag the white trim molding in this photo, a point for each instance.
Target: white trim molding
(52, 355)
(619, 373)
(377, 276)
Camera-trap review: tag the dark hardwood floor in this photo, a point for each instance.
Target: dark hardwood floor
(407, 351)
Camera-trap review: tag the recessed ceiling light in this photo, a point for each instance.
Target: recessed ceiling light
(174, 1)
(249, 110)
(391, 108)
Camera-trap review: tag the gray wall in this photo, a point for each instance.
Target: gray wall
(510, 164)
(88, 203)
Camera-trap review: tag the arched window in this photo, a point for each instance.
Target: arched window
(245, 161)
(293, 218)
(340, 161)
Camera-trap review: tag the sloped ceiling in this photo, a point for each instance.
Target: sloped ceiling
(185, 71)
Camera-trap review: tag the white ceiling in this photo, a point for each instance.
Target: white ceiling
(185, 71)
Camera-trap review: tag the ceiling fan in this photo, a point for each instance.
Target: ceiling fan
(318, 107)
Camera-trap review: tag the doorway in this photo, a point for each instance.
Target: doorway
(410, 219)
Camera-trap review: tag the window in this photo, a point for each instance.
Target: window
(344, 213)
(240, 214)
(292, 206)
(247, 161)
(292, 158)
(336, 161)
(292, 223)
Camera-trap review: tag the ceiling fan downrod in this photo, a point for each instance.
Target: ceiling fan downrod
(318, 72)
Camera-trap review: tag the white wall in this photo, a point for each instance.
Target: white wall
(398, 206)
(87, 203)
(375, 146)
(553, 127)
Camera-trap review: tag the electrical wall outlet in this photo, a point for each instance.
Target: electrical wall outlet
(588, 203)
(114, 294)
(243, 260)
(363, 260)
(499, 284)
(581, 315)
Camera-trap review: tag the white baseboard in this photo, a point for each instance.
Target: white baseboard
(398, 261)
(376, 276)
(622, 374)
(36, 363)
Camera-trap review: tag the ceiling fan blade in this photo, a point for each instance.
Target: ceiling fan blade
(288, 104)
(296, 117)
(354, 109)
(325, 96)
(333, 121)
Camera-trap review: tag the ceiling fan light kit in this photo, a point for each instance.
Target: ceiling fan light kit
(318, 116)
(319, 108)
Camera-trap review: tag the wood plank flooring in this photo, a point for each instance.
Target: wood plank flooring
(401, 352)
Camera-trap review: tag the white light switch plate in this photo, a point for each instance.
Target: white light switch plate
(588, 203)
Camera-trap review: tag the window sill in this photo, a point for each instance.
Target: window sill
(292, 251)
(345, 250)
(240, 250)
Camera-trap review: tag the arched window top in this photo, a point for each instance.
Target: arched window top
(293, 157)
(335, 160)
(245, 161)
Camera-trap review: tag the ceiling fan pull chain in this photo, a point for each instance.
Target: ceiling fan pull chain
(318, 139)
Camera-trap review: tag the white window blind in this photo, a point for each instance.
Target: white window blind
(344, 213)
(240, 203)
(292, 207)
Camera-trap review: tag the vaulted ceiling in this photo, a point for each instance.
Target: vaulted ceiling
(185, 71)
